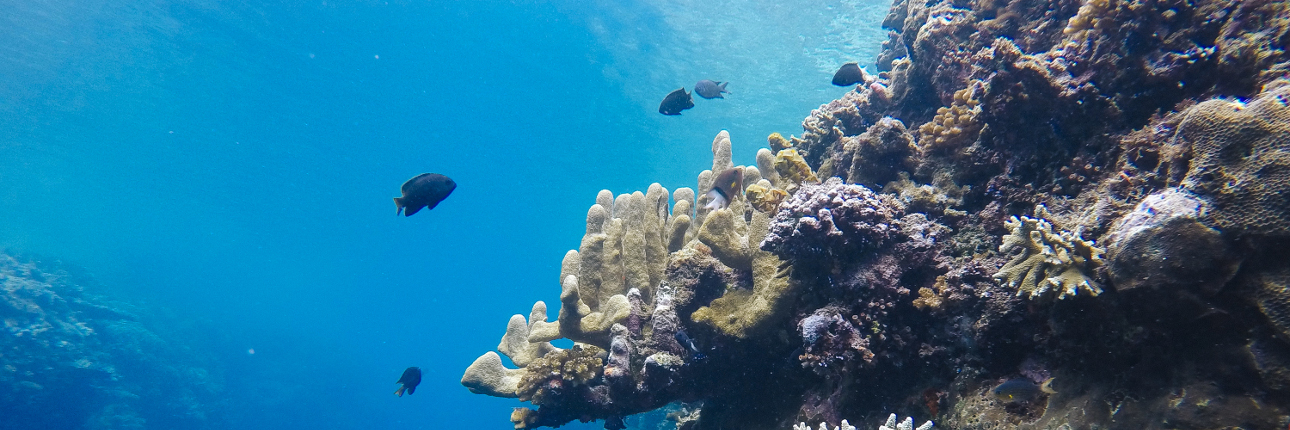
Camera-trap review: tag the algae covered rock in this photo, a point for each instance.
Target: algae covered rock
(1162, 243)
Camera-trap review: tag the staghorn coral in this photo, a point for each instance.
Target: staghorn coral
(1046, 262)
(1241, 161)
(907, 424)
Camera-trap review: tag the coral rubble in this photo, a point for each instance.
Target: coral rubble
(932, 233)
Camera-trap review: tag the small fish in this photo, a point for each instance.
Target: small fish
(1022, 390)
(727, 185)
(615, 423)
(849, 74)
(424, 191)
(688, 343)
(410, 379)
(675, 102)
(710, 90)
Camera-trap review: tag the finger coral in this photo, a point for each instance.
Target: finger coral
(1046, 262)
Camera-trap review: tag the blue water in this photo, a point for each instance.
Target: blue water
(232, 164)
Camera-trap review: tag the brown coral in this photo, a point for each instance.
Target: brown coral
(1241, 161)
(552, 375)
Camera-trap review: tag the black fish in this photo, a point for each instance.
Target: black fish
(675, 102)
(615, 423)
(727, 185)
(849, 74)
(424, 191)
(710, 90)
(411, 377)
(688, 343)
(1022, 390)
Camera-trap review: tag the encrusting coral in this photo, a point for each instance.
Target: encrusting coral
(1046, 262)
(1241, 160)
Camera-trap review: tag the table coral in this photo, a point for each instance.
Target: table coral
(1046, 262)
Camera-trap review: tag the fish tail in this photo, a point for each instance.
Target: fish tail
(723, 88)
(399, 392)
(398, 203)
(1047, 386)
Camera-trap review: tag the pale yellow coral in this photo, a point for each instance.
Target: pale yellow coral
(956, 124)
(793, 168)
(488, 376)
(764, 197)
(515, 343)
(1047, 262)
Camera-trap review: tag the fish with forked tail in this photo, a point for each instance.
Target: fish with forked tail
(425, 191)
(849, 74)
(409, 381)
(710, 89)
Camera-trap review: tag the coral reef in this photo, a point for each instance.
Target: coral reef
(1015, 144)
(61, 342)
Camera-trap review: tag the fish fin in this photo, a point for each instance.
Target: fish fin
(718, 201)
(1047, 386)
(412, 210)
(399, 392)
(398, 203)
(412, 390)
(723, 88)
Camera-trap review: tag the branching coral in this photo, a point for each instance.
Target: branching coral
(1047, 262)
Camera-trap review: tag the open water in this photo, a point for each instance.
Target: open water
(227, 167)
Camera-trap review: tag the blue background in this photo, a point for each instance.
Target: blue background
(233, 163)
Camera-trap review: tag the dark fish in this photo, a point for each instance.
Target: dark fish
(849, 74)
(614, 423)
(727, 185)
(410, 379)
(675, 102)
(710, 90)
(688, 343)
(1022, 390)
(424, 191)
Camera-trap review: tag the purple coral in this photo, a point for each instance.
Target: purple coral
(833, 217)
